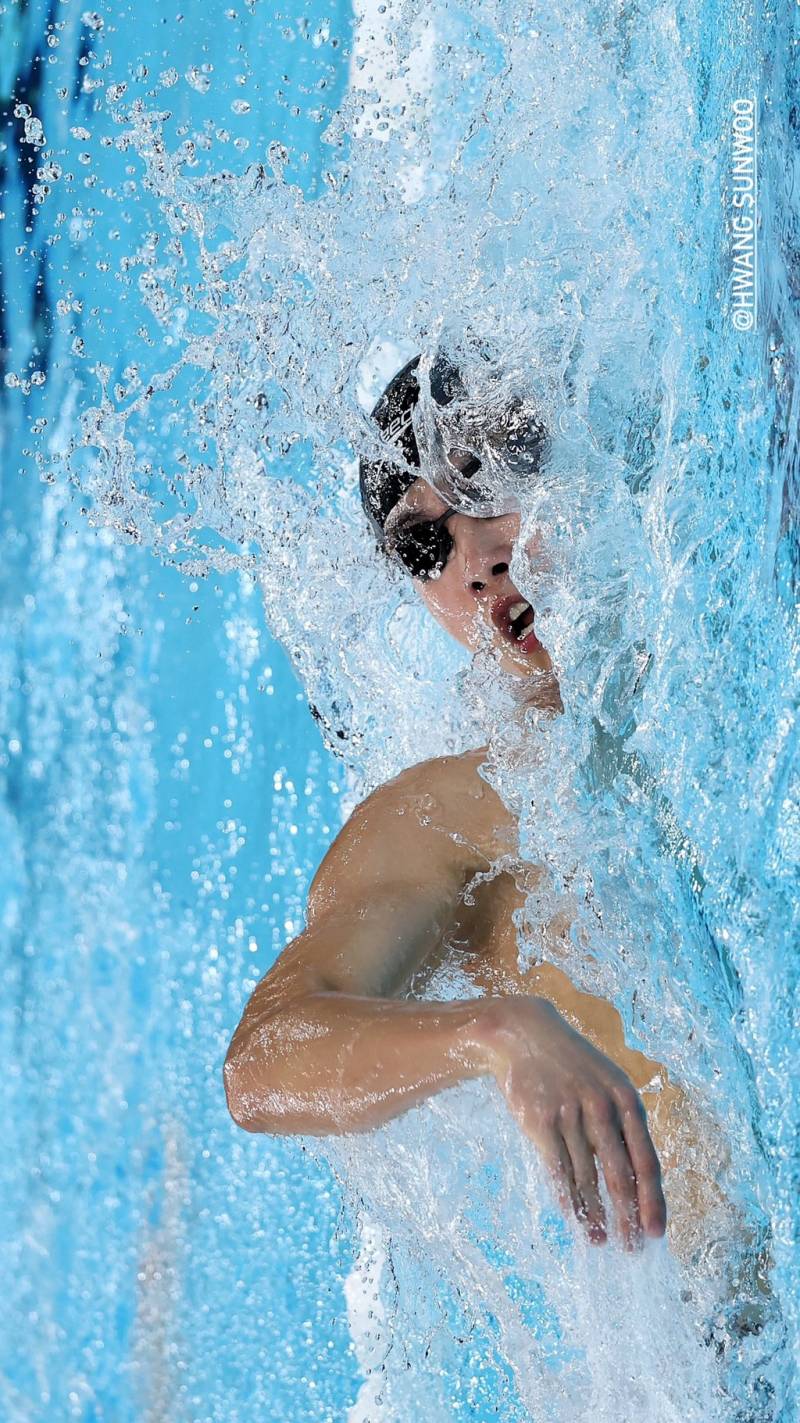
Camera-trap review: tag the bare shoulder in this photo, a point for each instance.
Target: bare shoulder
(447, 796)
(438, 820)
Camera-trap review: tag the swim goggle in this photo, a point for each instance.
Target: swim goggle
(422, 546)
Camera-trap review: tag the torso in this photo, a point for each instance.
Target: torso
(481, 938)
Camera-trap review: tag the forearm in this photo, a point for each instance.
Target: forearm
(332, 1062)
(326, 1062)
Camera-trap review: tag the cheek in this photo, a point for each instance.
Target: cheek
(449, 607)
(534, 545)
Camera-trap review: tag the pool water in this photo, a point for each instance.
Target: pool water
(223, 232)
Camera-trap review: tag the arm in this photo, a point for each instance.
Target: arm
(363, 1062)
(325, 1043)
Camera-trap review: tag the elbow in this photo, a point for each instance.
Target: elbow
(265, 1078)
(241, 1102)
(233, 1095)
(254, 1077)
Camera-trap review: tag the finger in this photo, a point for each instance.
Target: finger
(644, 1158)
(605, 1134)
(554, 1153)
(584, 1170)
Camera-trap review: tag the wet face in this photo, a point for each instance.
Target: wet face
(473, 597)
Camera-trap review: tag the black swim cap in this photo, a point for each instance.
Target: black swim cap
(382, 483)
(523, 442)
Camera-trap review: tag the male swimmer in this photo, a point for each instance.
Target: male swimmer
(330, 1042)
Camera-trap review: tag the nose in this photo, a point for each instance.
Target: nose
(483, 548)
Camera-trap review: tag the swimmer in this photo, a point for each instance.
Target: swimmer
(331, 1042)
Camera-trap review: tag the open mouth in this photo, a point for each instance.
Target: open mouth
(513, 617)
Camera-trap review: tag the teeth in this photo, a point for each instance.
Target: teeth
(515, 610)
(524, 632)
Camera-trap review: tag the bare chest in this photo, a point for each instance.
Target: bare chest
(484, 939)
(484, 936)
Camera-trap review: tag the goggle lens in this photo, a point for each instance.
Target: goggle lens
(422, 547)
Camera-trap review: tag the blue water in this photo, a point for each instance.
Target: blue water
(165, 799)
(189, 343)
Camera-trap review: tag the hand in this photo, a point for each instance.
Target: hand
(579, 1109)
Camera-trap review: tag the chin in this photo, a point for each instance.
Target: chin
(516, 661)
(521, 666)
(522, 661)
(537, 666)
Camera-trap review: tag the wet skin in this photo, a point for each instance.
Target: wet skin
(475, 578)
(330, 1040)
